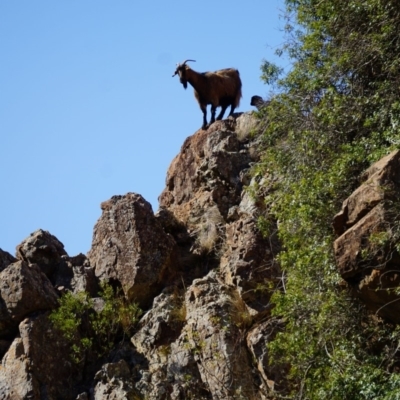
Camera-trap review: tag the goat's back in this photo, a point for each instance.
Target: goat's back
(226, 84)
(227, 71)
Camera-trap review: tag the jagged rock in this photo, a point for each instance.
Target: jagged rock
(204, 187)
(114, 383)
(64, 272)
(366, 255)
(37, 365)
(204, 202)
(249, 262)
(6, 259)
(25, 289)
(211, 354)
(16, 382)
(245, 124)
(43, 249)
(49, 358)
(206, 174)
(7, 326)
(209, 359)
(201, 268)
(174, 227)
(83, 276)
(159, 327)
(356, 254)
(162, 323)
(382, 182)
(273, 378)
(130, 247)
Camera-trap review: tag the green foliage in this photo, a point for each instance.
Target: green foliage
(118, 316)
(98, 330)
(270, 72)
(73, 309)
(337, 111)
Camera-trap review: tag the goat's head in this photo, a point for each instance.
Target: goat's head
(181, 71)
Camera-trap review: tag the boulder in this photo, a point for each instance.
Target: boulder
(211, 356)
(273, 377)
(131, 248)
(38, 365)
(5, 259)
(16, 381)
(205, 174)
(43, 249)
(25, 289)
(200, 268)
(249, 262)
(65, 273)
(114, 383)
(368, 233)
(83, 276)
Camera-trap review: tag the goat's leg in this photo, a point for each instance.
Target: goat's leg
(213, 109)
(221, 114)
(204, 109)
(232, 109)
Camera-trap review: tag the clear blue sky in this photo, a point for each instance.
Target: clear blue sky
(88, 105)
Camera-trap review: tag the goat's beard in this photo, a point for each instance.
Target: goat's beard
(184, 83)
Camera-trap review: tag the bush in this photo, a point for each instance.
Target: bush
(335, 113)
(96, 330)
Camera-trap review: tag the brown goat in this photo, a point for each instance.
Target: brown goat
(221, 88)
(258, 102)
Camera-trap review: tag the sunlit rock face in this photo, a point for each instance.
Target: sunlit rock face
(131, 248)
(199, 268)
(367, 229)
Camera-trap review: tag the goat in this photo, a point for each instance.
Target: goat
(258, 102)
(222, 88)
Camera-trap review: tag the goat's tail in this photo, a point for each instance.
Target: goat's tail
(239, 90)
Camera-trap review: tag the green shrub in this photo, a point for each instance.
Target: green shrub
(96, 330)
(335, 112)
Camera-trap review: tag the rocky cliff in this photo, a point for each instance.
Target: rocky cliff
(201, 272)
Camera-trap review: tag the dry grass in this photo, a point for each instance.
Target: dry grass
(208, 234)
(239, 313)
(178, 313)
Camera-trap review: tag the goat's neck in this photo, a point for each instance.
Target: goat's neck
(195, 79)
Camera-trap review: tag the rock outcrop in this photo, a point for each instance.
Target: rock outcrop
(36, 360)
(131, 248)
(368, 229)
(6, 259)
(113, 382)
(38, 364)
(229, 269)
(25, 289)
(199, 268)
(44, 249)
(202, 273)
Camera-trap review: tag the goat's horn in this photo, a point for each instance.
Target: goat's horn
(181, 65)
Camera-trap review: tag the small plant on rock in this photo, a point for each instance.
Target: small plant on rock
(97, 329)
